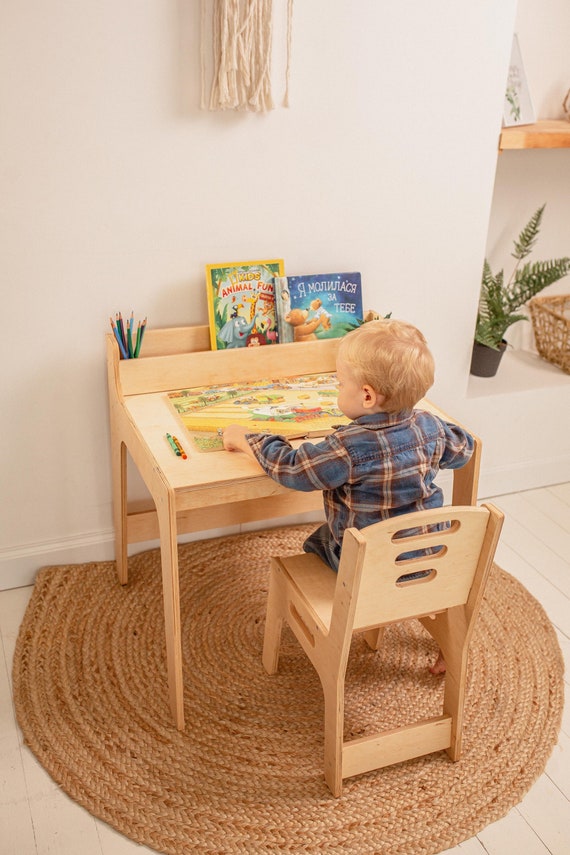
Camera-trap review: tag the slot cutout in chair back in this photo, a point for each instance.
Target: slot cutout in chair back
(409, 557)
(409, 579)
(446, 526)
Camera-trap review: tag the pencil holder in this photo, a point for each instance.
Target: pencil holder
(128, 339)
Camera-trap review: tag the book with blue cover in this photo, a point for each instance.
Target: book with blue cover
(317, 306)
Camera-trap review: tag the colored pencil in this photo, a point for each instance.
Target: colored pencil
(138, 340)
(143, 327)
(122, 330)
(119, 341)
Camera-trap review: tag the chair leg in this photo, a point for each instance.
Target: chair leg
(454, 698)
(273, 627)
(449, 629)
(334, 727)
(373, 637)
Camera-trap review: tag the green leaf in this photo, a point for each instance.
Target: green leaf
(527, 238)
(532, 278)
(499, 302)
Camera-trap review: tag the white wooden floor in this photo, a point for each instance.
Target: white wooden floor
(36, 817)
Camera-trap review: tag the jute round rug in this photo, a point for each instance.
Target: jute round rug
(246, 776)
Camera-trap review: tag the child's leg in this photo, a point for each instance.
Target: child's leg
(438, 666)
(321, 543)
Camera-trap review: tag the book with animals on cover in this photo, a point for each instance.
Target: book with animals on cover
(316, 306)
(241, 303)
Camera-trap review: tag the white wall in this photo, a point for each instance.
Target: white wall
(117, 190)
(527, 179)
(523, 414)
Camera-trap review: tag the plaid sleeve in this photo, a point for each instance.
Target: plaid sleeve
(312, 466)
(458, 446)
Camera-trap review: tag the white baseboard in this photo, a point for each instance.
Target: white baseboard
(19, 565)
(524, 476)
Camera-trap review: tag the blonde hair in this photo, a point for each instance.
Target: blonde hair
(393, 358)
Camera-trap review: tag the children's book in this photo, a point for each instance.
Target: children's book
(294, 407)
(326, 305)
(241, 303)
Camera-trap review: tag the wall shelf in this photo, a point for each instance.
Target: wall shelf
(520, 371)
(552, 133)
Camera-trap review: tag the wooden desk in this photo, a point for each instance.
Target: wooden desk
(212, 490)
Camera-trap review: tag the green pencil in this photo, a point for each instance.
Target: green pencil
(138, 340)
(138, 347)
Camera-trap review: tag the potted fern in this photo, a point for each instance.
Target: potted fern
(500, 302)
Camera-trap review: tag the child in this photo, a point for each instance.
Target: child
(384, 462)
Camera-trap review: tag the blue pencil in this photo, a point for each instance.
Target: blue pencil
(119, 342)
(121, 329)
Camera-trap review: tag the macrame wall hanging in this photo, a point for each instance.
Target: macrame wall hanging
(241, 32)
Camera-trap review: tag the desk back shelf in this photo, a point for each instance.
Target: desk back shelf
(173, 369)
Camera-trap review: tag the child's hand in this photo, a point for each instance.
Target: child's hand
(234, 438)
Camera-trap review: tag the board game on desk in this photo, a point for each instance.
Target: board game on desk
(302, 406)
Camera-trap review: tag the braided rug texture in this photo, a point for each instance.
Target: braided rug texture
(247, 775)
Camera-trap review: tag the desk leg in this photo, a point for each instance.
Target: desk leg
(466, 479)
(166, 510)
(119, 476)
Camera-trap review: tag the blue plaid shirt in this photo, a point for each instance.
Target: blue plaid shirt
(376, 467)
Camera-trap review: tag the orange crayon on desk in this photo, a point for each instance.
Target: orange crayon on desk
(183, 454)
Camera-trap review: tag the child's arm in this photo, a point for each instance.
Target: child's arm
(320, 466)
(234, 439)
(458, 446)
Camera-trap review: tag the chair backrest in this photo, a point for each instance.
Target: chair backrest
(374, 560)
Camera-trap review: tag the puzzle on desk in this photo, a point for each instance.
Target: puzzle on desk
(291, 406)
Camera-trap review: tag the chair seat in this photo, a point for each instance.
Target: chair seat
(315, 581)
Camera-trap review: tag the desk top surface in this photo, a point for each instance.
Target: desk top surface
(154, 418)
(139, 387)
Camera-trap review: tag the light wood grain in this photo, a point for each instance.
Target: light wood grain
(324, 609)
(204, 490)
(554, 133)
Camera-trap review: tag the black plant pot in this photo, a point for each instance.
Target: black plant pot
(485, 360)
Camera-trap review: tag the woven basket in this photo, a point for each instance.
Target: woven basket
(551, 324)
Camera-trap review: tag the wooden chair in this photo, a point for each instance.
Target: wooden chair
(324, 608)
